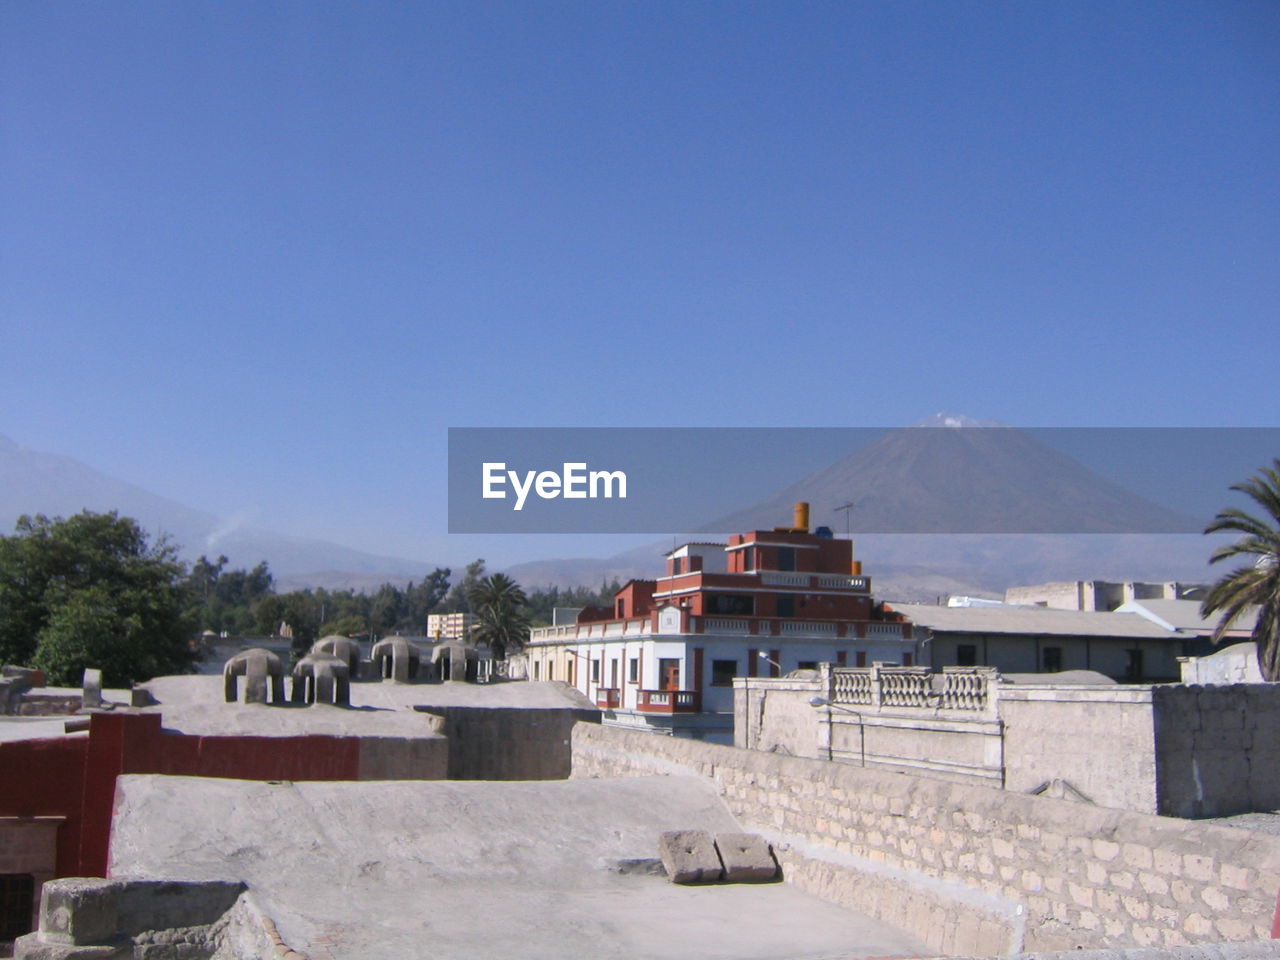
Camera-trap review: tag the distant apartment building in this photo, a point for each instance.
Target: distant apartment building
(665, 656)
(449, 626)
(1100, 595)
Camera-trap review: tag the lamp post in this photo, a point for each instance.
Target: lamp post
(862, 730)
(768, 659)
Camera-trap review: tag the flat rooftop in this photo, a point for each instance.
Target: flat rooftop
(195, 705)
(450, 869)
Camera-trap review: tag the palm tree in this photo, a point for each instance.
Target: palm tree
(1258, 582)
(498, 604)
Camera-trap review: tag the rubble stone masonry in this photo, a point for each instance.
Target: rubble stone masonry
(970, 868)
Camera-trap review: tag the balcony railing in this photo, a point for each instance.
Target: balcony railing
(816, 581)
(610, 698)
(669, 701)
(956, 688)
(807, 628)
(729, 625)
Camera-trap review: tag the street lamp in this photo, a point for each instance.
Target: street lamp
(764, 656)
(862, 730)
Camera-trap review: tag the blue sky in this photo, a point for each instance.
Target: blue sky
(260, 256)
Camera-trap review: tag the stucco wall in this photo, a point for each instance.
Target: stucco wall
(775, 716)
(1101, 741)
(1085, 876)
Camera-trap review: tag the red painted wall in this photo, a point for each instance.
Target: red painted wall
(75, 778)
(44, 778)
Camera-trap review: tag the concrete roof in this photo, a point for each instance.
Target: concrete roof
(1185, 615)
(32, 728)
(1038, 621)
(464, 869)
(195, 705)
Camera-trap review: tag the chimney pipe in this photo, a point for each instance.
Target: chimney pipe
(802, 516)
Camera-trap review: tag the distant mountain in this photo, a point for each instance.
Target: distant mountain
(35, 482)
(938, 475)
(952, 475)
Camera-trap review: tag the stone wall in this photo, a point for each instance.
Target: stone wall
(1083, 876)
(1237, 663)
(509, 743)
(1217, 749)
(1100, 741)
(149, 920)
(1172, 749)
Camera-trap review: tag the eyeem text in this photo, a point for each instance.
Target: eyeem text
(573, 482)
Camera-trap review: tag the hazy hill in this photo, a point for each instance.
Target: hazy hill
(940, 475)
(35, 482)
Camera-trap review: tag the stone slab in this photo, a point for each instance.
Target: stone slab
(79, 911)
(747, 858)
(690, 856)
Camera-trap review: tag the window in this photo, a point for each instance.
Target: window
(730, 604)
(966, 655)
(536, 665)
(861, 659)
(595, 671)
(1133, 669)
(842, 658)
(633, 670)
(785, 606)
(1052, 659)
(622, 608)
(808, 665)
(17, 900)
(908, 659)
(551, 669)
(748, 559)
(786, 558)
(723, 672)
(669, 673)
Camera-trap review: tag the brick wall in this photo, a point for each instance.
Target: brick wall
(1084, 876)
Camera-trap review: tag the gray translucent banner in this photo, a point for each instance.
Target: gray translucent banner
(930, 479)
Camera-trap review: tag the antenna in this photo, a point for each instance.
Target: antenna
(848, 511)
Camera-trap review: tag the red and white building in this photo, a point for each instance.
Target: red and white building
(766, 603)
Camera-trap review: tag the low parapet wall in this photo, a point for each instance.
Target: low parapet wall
(1083, 877)
(1173, 749)
(509, 743)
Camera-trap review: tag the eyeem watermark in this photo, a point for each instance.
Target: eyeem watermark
(573, 482)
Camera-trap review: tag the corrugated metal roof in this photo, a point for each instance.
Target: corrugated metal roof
(1043, 621)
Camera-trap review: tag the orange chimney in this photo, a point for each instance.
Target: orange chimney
(801, 522)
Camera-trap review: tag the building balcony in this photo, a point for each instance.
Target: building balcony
(669, 701)
(815, 581)
(608, 698)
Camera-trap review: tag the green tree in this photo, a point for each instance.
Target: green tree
(498, 604)
(219, 599)
(349, 626)
(459, 598)
(422, 599)
(91, 591)
(1257, 582)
